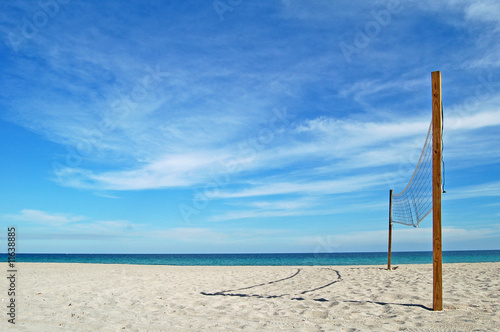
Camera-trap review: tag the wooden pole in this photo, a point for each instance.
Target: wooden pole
(436, 191)
(390, 231)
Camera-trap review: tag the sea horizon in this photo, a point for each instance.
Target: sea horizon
(263, 259)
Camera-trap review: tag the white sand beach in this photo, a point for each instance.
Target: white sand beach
(92, 297)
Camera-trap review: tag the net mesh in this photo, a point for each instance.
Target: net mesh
(414, 203)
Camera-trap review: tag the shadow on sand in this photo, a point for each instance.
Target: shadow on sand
(237, 292)
(232, 292)
(388, 303)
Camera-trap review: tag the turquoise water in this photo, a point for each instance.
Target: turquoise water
(368, 258)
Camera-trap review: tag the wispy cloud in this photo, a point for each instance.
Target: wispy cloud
(42, 217)
(199, 112)
(306, 206)
(406, 238)
(337, 146)
(488, 11)
(344, 185)
(101, 194)
(57, 222)
(488, 189)
(191, 234)
(479, 120)
(364, 91)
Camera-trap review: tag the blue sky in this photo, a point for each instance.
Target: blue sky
(241, 126)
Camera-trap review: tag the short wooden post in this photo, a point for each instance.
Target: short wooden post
(436, 191)
(390, 231)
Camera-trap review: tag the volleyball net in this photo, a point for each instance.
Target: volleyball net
(414, 202)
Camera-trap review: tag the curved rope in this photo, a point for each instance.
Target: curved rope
(414, 202)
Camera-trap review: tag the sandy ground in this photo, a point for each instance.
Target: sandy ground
(90, 297)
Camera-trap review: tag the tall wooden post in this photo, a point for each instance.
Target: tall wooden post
(390, 232)
(436, 191)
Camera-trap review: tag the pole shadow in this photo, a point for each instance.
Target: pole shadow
(389, 303)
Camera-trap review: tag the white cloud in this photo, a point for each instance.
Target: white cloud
(335, 145)
(101, 194)
(349, 134)
(478, 120)
(296, 211)
(360, 90)
(257, 213)
(56, 222)
(176, 170)
(42, 217)
(283, 204)
(488, 189)
(401, 236)
(191, 234)
(484, 10)
(344, 185)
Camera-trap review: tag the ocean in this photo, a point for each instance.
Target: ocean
(365, 258)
